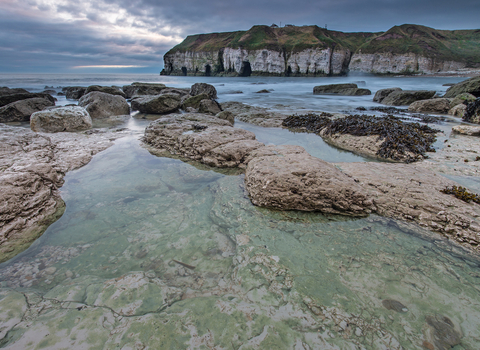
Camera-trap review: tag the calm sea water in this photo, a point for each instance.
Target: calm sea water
(156, 253)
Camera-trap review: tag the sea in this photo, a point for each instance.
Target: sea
(156, 253)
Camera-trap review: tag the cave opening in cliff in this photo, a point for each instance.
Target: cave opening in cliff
(184, 71)
(289, 71)
(246, 69)
(208, 70)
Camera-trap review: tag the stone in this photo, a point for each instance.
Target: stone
(7, 91)
(199, 88)
(382, 93)
(194, 101)
(467, 130)
(175, 91)
(472, 112)
(394, 305)
(112, 90)
(332, 88)
(442, 332)
(288, 178)
(102, 105)
(226, 115)
(61, 119)
(209, 106)
(203, 138)
(355, 92)
(254, 115)
(74, 92)
(7, 99)
(463, 98)
(458, 110)
(140, 89)
(264, 91)
(159, 104)
(472, 86)
(434, 105)
(406, 97)
(20, 111)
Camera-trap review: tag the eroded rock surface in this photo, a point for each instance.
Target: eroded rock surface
(472, 86)
(382, 93)
(71, 118)
(101, 105)
(112, 90)
(139, 89)
(434, 105)
(203, 88)
(288, 178)
(158, 104)
(254, 115)
(341, 89)
(32, 168)
(406, 97)
(74, 92)
(21, 110)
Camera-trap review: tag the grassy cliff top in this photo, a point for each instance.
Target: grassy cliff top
(455, 45)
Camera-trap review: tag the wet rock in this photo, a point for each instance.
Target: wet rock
(254, 115)
(406, 97)
(394, 305)
(442, 332)
(20, 111)
(102, 105)
(466, 130)
(112, 90)
(74, 92)
(61, 119)
(140, 89)
(472, 112)
(472, 86)
(203, 138)
(175, 91)
(209, 106)
(199, 88)
(159, 104)
(226, 115)
(9, 98)
(464, 98)
(382, 93)
(341, 89)
(33, 166)
(434, 105)
(264, 91)
(355, 92)
(458, 110)
(288, 178)
(194, 101)
(7, 91)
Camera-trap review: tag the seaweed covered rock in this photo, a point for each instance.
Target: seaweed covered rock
(471, 86)
(194, 101)
(112, 90)
(74, 92)
(388, 137)
(472, 112)
(464, 98)
(101, 105)
(434, 105)
(141, 89)
(458, 110)
(406, 97)
(288, 178)
(20, 111)
(159, 104)
(382, 93)
(209, 106)
(203, 138)
(71, 118)
(341, 89)
(203, 88)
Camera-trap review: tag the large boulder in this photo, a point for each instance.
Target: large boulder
(434, 105)
(74, 92)
(112, 90)
(382, 93)
(200, 88)
(288, 178)
(203, 138)
(209, 106)
(159, 104)
(141, 89)
(7, 91)
(406, 97)
(471, 86)
(464, 98)
(102, 105)
(7, 99)
(472, 112)
(70, 118)
(20, 111)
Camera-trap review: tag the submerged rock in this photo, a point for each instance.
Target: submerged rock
(442, 332)
(288, 178)
(20, 111)
(102, 105)
(73, 118)
(406, 97)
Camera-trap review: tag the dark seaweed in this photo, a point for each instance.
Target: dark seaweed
(473, 109)
(402, 141)
(462, 193)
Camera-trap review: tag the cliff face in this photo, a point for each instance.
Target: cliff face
(314, 51)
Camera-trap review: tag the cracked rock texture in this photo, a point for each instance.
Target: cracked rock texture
(32, 168)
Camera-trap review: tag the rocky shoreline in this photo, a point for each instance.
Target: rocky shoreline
(286, 178)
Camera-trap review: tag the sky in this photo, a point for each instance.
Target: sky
(131, 36)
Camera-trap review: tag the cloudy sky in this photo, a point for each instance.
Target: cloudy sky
(132, 35)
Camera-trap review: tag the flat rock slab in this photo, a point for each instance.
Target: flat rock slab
(467, 130)
(291, 179)
(203, 138)
(411, 193)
